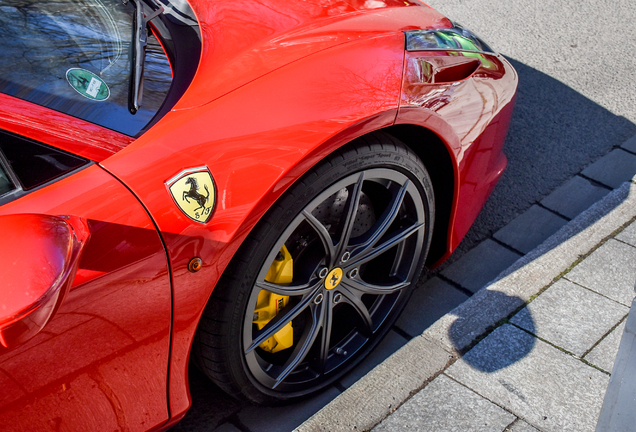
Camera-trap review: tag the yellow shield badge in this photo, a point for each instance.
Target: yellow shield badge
(194, 193)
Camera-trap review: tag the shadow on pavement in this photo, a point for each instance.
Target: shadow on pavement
(507, 353)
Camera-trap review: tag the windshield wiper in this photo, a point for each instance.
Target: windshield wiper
(139, 41)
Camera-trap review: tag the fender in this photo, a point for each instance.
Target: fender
(470, 114)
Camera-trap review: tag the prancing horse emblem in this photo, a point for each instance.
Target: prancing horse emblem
(334, 278)
(194, 193)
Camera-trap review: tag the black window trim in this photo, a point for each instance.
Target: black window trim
(19, 192)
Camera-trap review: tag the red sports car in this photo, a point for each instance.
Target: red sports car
(251, 184)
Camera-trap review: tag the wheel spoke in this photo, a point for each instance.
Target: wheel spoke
(287, 314)
(324, 236)
(389, 217)
(350, 215)
(287, 290)
(399, 256)
(372, 252)
(357, 285)
(303, 345)
(360, 308)
(327, 319)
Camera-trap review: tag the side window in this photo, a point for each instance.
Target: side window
(26, 165)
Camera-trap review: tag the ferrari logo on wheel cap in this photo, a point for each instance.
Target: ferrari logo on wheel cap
(333, 278)
(194, 193)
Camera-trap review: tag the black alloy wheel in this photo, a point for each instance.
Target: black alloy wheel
(354, 233)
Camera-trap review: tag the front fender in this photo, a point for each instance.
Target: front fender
(471, 115)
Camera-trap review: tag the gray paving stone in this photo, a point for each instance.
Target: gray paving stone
(570, 317)
(445, 405)
(630, 144)
(575, 196)
(430, 302)
(549, 389)
(628, 235)
(521, 426)
(613, 169)
(610, 270)
(287, 417)
(458, 329)
(374, 397)
(390, 344)
(604, 354)
(480, 265)
(383, 389)
(530, 229)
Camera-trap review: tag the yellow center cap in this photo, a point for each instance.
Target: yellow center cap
(333, 278)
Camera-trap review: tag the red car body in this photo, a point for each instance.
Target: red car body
(280, 85)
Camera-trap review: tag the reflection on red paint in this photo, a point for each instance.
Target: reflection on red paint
(67, 133)
(101, 361)
(275, 33)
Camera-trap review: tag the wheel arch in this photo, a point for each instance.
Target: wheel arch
(430, 148)
(434, 152)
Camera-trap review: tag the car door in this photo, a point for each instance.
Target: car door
(100, 362)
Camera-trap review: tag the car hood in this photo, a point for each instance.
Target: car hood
(243, 40)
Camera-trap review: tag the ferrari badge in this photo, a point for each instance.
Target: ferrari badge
(194, 193)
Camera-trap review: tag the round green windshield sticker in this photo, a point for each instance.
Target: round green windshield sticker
(87, 84)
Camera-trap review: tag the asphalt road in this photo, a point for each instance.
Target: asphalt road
(576, 101)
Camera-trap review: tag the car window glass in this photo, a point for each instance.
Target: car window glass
(73, 56)
(35, 164)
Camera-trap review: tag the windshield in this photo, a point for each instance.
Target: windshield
(73, 56)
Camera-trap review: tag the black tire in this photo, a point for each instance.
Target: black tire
(380, 256)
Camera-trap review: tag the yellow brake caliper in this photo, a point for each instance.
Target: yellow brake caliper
(268, 304)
